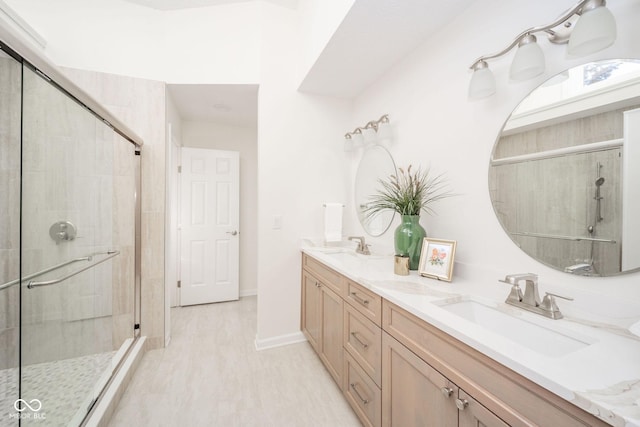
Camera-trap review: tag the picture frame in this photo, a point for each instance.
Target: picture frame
(436, 258)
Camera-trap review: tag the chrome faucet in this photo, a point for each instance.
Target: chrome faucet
(362, 248)
(530, 300)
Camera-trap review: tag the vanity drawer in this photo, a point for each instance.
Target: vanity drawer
(362, 393)
(328, 277)
(365, 301)
(363, 340)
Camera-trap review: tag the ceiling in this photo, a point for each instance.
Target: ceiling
(235, 105)
(373, 36)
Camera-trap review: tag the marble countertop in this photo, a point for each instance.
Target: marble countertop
(600, 374)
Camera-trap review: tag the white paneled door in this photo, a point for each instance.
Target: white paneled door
(209, 226)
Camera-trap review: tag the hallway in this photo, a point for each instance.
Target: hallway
(211, 375)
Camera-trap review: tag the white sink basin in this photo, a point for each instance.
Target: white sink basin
(549, 342)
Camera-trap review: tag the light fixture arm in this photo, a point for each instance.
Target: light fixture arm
(373, 124)
(577, 9)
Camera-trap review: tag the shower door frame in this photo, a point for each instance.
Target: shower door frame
(14, 45)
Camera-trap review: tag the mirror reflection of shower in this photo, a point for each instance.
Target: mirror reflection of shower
(587, 267)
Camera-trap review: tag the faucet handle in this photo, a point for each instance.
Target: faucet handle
(549, 304)
(557, 296)
(516, 293)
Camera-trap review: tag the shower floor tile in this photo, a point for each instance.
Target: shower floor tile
(63, 387)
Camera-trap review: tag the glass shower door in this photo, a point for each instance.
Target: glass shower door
(10, 104)
(77, 254)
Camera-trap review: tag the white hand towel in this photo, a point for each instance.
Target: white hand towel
(333, 222)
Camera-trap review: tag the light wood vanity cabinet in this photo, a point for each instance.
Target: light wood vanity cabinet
(362, 342)
(362, 339)
(322, 314)
(397, 370)
(415, 394)
(495, 395)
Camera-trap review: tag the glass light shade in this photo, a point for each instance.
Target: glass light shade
(482, 84)
(594, 31)
(357, 139)
(348, 145)
(528, 62)
(369, 135)
(384, 131)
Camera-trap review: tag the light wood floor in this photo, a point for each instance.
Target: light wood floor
(211, 375)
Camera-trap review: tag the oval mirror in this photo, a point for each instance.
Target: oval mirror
(564, 172)
(376, 163)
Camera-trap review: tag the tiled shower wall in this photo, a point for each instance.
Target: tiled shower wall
(77, 169)
(567, 182)
(140, 104)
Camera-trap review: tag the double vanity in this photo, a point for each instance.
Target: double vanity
(412, 351)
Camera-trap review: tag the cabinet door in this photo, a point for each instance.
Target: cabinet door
(331, 351)
(473, 414)
(311, 316)
(413, 393)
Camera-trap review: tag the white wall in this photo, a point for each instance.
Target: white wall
(300, 158)
(437, 126)
(173, 142)
(202, 45)
(319, 19)
(298, 170)
(240, 43)
(243, 140)
(630, 201)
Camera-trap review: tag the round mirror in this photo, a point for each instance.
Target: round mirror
(376, 163)
(564, 172)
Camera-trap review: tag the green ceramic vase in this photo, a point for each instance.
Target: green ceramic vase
(408, 239)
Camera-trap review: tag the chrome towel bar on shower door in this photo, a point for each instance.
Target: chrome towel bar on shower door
(34, 284)
(46, 270)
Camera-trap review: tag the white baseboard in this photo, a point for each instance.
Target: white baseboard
(279, 341)
(248, 292)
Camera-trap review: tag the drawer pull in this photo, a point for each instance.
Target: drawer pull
(359, 298)
(462, 404)
(318, 284)
(446, 391)
(355, 389)
(360, 341)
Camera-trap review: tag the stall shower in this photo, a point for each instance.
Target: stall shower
(587, 267)
(69, 184)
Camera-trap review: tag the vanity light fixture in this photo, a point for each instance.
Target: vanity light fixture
(587, 27)
(374, 129)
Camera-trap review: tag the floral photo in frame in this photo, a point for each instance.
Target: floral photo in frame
(436, 259)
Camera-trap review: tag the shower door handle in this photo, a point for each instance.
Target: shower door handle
(33, 284)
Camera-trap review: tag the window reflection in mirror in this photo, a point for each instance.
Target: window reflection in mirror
(564, 171)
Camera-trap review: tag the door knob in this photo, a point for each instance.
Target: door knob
(233, 233)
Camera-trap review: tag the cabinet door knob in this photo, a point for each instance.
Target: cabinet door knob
(462, 404)
(446, 391)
